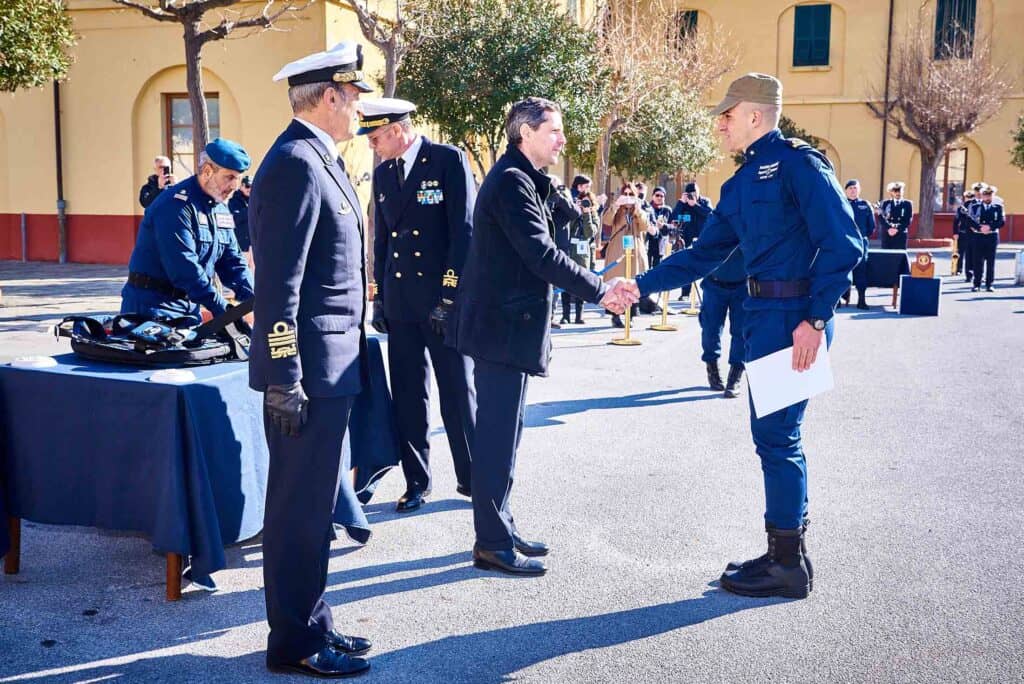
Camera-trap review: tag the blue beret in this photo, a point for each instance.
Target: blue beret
(229, 154)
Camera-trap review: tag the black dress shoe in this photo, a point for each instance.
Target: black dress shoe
(862, 306)
(617, 321)
(464, 490)
(326, 663)
(975, 289)
(530, 548)
(410, 501)
(578, 321)
(352, 645)
(990, 289)
(510, 562)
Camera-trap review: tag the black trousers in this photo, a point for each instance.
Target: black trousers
(501, 405)
(897, 241)
(409, 368)
(302, 487)
(983, 252)
(965, 243)
(566, 299)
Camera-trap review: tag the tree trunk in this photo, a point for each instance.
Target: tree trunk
(926, 199)
(194, 84)
(602, 153)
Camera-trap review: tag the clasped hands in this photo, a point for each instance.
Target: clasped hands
(621, 294)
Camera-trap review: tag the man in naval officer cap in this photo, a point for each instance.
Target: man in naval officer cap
(423, 195)
(308, 352)
(186, 236)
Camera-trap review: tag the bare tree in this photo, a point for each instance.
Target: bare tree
(198, 32)
(652, 53)
(395, 34)
(938, 94)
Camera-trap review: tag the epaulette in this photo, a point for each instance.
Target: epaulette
(798, 144)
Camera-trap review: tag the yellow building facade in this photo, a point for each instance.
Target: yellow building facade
(123, 98)
(829, 100)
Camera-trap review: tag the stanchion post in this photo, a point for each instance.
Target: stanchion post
(664, 326)
(627, 248)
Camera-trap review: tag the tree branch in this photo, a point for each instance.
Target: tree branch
(161, 14)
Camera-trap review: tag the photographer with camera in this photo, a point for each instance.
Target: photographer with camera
(689, 215)
(581, 238)
(564, 213)
(660, 216)
(624, 216)
(155, 184)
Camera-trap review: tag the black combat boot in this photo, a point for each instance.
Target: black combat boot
(783, 572)
(714, 379)
(732, 566)
(732, 383)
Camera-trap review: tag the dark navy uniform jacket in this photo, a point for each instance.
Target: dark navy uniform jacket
(239, 206)
(961, 224)
(185, 237)
(307, 236)
(691, 219)
(991, 215)
(864, 217)
(422, 232)
(504, 306)
(792, 221)
(897, 214)
(731, 270)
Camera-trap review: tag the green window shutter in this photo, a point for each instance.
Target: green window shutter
(811, 30)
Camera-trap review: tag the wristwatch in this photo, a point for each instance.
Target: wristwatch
(817, 323)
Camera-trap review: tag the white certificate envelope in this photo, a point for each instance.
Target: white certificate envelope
(774, 385)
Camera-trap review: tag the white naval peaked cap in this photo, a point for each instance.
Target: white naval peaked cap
(382, 111)
(341, 64)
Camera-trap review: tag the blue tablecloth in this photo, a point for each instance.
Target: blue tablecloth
(99, 445)
(884, 267)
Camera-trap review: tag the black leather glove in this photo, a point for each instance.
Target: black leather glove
(287, 406)
(379, 322)
(439, 317)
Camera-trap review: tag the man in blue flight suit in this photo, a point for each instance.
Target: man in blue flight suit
(864, 217)
(725, 292)
(503, 319)
(896, 216)
(689, 215)
(785, 210)
(186, 236)
(423, 196)
(990, 219)
(308, 353)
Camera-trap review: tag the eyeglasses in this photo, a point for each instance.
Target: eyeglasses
(628, 194)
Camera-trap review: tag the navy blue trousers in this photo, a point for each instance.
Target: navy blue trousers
(718, 302)
(409, 368)
(777, 436)
(302, 488)
(501, 406)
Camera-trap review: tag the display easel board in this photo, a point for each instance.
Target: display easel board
(919, 296)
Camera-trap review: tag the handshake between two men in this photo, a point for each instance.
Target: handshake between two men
(621, 295)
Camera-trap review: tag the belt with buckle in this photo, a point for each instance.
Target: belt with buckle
(148, 282)
(778, 289)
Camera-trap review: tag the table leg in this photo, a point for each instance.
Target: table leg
(895, 293)
(12, 561)
(173, 577)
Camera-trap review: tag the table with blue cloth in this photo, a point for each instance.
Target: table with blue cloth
(185, 465)
(883, 269)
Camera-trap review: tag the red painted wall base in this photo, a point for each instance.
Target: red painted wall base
(92, 238)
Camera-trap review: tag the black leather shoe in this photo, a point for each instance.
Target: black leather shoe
(990, 289)
(617, 321)
(530, 548)
(464, 490)
(326, 663)
(861, 305)
(352, 645)
(510, 562)
(975, 289)
(578, 321)
(410, 501)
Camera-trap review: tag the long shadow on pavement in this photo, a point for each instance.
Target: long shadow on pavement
(489, 657)
(544, 414)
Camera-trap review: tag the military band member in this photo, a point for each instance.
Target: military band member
(186, 237)
(990, 219)
(308, 353)
(896, 216)
(962, 230)
(423, 196)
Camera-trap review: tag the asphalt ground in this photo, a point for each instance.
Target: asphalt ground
(645, 484)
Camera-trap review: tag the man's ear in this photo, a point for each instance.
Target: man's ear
(524, 130)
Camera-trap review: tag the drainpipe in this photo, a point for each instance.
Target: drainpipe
(24, 237)
(885, 121)
(62, 219)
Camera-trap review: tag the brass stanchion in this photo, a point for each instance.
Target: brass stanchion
(664, 326)
(692, 310)
(627, 248)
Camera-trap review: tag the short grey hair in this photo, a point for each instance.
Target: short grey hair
(307, 96)
(533, 111)
(203, 160)
(771, 113)
(162, 160)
